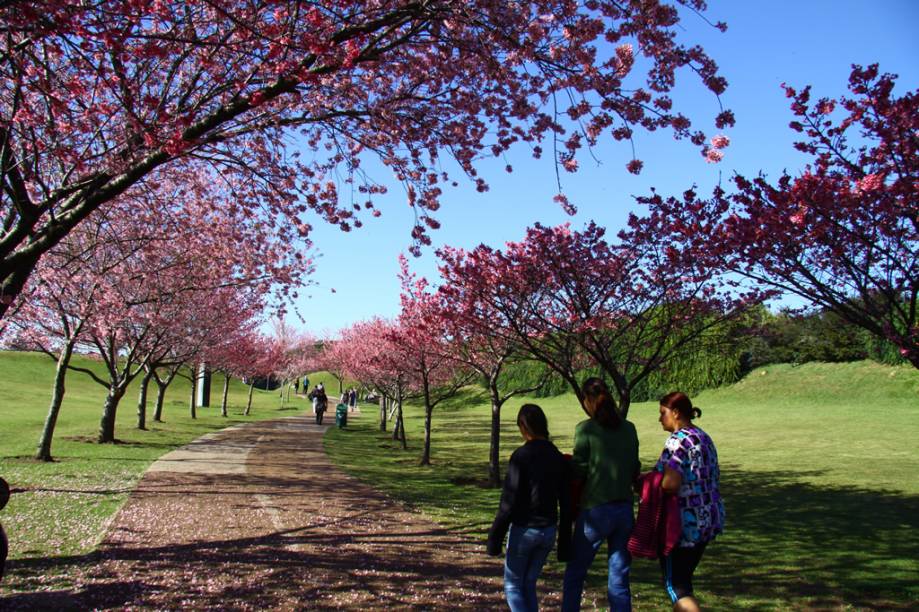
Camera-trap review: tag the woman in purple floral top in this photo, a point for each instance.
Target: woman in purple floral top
(689, 462)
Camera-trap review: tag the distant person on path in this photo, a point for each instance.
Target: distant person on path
(322, 403)
(296, 386)
(352, 400)
(315, 394)
(606, 458)
(536, 486)
(689, 463)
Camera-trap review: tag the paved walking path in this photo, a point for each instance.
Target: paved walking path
(256, 517)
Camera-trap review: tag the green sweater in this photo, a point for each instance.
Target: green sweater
(607, 461)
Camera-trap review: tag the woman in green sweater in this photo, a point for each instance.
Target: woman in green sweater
(605, 457)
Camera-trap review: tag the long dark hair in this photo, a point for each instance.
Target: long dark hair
(533, 419)
(679, 401)
(600, 404)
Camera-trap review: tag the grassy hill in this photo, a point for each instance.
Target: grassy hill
(819, 468)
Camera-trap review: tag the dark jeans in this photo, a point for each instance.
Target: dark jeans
(610, 522)
(527, 550)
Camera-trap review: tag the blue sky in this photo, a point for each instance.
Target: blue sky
(767, 43)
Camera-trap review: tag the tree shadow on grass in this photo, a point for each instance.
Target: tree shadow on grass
(791, 545)
(814, 546)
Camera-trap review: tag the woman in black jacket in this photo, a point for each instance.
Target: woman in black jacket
(535, 489)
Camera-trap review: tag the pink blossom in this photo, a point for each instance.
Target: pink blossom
(626, 56)
(567, 206)
(870, 182)
(713, 156)
(720, 141)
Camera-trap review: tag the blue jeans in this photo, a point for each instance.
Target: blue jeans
(527, 550)
(611, 522)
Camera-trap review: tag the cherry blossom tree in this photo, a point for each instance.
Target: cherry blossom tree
(376, 361)
(156, 291)
(843, 234)
(50, 319)
(203, 335)
(253, 356)
(162, 374)
(223, 354)
(69, 296)
(99, 98)
(571, 299)
(423, 346)
(286, 339)
(304, 355)
(333, 357)
(486, 354)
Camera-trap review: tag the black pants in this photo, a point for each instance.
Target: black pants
(319, 414)
(678, 568)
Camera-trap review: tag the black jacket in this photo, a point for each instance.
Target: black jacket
(536, 487)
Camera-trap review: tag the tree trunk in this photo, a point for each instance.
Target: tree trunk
(107, 425)
(249, 403)
(396, 432)
(494, 468)
(160, 398)
(226, 391)
(623, 390)
(43, 453)
(14, 278)
(394, 416)
(428, 409)
(192, 401)
(400, 425)
(402, 431)
(625, 401)
(142, 400)
(382, 413)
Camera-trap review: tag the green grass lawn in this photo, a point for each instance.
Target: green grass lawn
(820, 476)
(60, 509)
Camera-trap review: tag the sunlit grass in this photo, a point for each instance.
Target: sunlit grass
(61, 508)
(820, 476)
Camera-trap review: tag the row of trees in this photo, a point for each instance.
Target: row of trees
(568, 300)
(150, 205)
(180, 115)
(680, 279)
(154, 286)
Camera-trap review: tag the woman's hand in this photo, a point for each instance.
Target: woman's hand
(672, 481)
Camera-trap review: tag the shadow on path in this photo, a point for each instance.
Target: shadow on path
(264, 521)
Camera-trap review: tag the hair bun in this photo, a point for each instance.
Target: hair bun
(696, 412)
